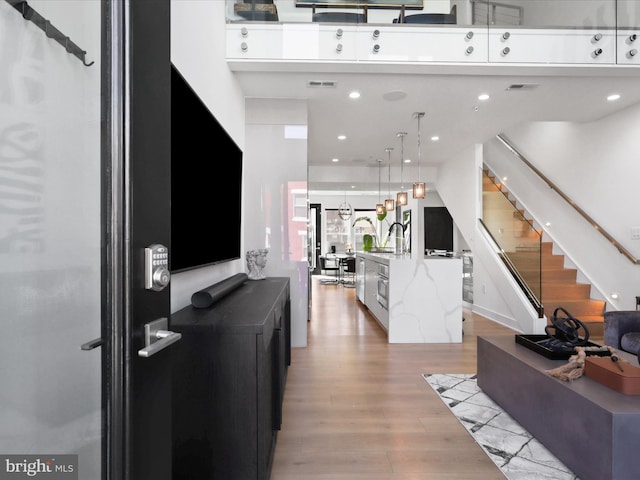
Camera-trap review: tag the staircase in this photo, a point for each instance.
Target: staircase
(556, 286)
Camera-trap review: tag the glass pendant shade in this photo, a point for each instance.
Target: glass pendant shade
(419, 190)
(389, 204)
(402, 198)
(380, 209)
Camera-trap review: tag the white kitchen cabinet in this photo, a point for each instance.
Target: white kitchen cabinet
(371, 294)
(360, 278)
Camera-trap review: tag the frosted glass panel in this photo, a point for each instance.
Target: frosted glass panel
(50, 400)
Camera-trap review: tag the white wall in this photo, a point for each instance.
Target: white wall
(275, 170)
(369, 174)
(198, 51)
(596, 165)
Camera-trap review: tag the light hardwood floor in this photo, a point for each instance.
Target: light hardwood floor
(357, 408)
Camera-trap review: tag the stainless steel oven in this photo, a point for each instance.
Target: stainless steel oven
(383, 286)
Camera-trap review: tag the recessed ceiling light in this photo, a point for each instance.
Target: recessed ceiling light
(435, 138)
(342, 137)
(614, 97)
(407, 160)
(354, 94)
(335, 160)
(484, 96)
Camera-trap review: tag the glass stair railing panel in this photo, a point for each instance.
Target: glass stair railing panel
(628, 32)
(518, 239)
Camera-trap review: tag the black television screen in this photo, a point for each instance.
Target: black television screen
(206, 183)
(438, 229)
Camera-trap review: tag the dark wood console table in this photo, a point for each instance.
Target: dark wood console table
(591, 428)
(229, 376)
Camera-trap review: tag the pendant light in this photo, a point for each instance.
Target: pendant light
(401, 197)
(389, 203)
(344, 210)
(379, 206)
(419, 188)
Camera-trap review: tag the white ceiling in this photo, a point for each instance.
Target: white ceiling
(447, 96)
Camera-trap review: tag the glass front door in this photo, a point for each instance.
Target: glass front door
(50, 240)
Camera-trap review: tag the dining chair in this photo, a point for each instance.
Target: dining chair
(329, 265)
(349, 271)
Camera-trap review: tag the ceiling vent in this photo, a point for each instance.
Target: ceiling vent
(522, 86)
(321, 84)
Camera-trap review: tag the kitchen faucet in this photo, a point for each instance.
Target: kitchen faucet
(399, 245)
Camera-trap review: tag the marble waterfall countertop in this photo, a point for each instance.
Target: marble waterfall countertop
(425, 298)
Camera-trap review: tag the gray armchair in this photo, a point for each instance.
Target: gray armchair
(622, 330)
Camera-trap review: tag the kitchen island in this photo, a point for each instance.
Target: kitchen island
(413, 300)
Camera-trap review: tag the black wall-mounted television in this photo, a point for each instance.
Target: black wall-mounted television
(206, 183)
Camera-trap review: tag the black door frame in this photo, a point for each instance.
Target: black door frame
(113, 248)
(136, 213)
(317, 248)
(148, 171)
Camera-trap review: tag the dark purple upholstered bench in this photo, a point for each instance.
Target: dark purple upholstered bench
(592, 429)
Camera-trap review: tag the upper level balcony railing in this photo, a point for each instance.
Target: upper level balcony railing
(596, 14)
(596, 32)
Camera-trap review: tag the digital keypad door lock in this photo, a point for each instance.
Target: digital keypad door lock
(156, 267)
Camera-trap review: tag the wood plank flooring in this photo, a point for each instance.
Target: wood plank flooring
(357, 408)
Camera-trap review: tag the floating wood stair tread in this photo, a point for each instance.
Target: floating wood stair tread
(577, 308)
(551, 277)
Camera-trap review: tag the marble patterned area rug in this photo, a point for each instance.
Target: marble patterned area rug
(518, 455)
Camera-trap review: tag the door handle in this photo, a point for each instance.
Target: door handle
(157, 337)
(90, 345)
